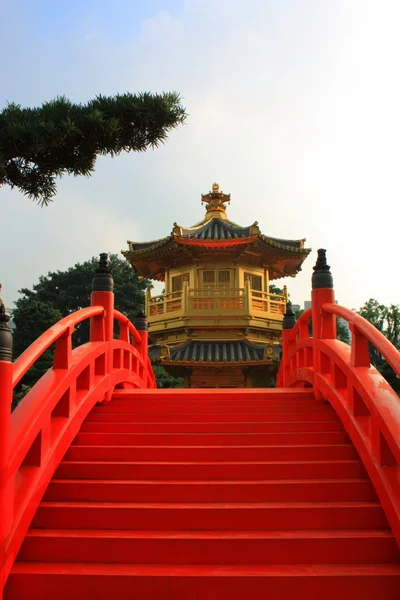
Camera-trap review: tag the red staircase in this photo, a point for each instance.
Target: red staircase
(209, 495)
(138, 493)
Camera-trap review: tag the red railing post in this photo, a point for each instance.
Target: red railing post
(289, 321)
(323, 325)
(140, 323)
(103, 295)
(6, 395)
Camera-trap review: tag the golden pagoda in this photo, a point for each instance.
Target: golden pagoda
(217, 324)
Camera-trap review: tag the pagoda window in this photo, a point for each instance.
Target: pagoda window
(177, 282)
(224, 278)
(255, 282)
(209, 278)
(217, 278)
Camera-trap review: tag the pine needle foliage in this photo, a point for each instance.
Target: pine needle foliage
(37, 145)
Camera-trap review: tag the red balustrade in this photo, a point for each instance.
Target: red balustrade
(343, 375)
(34, 438)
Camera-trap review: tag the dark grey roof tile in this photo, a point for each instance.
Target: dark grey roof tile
(236, 351)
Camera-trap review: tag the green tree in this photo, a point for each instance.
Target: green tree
(37, 145)
(58, 294)
(342, 332)
(165, 380)
(386, 319)
(273, 289)
(32, 318)
(68, 291)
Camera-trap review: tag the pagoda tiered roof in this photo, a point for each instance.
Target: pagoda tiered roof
(216, 233)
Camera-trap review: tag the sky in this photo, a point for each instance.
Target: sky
(293, 109)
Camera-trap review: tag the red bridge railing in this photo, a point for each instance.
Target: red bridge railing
(35, 437)
(343, 375)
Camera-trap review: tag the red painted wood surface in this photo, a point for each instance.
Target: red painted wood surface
(34, 438)
(182, 499)
(208, 494)
(363, 400)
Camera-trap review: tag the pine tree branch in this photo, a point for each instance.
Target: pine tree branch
(37, 145)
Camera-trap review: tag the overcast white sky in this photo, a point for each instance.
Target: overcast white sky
(294, 109)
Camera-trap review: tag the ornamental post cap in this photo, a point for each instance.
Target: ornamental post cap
(6, 341)
(321, 260)
(140, 313)
(140, 320)
(3, 315)
(104, 264)
(322, 276)
(103, 280)
(289, 319)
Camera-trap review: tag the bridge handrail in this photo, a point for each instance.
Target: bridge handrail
(35, 437)
(66, 326)
(343, 375)
(301, 327)
(370, 333)
(121, 318)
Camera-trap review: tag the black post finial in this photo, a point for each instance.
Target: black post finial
(6, 341)
(104, 264)
(103, 280)
(140, 320)
(289, 319)
(322, 276)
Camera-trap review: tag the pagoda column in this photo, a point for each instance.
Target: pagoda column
(247, 295)
(185, 296)
(147, 298)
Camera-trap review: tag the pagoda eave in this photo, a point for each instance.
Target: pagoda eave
(214, 364)
(216, 244)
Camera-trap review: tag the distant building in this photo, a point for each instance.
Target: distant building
(217, 324)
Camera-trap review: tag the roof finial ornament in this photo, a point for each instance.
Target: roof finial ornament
(215, 201)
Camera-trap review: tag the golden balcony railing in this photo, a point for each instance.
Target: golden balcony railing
(193, 300)
(165, 303)
(266, 302)
(213, 299)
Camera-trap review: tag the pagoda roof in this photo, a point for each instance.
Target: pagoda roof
(215, 229)
(216, 232)
(236, 351)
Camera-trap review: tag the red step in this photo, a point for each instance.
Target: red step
(220, 547)
(212, 516)
(216, 396)
(313, 490)
(120, 426)
(133, 410)
(209, 495)
(324, 469)
(66, 581)
(236, 417)
(211, 453)
(212, 439)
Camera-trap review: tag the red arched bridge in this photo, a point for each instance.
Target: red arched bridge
(110, 488)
